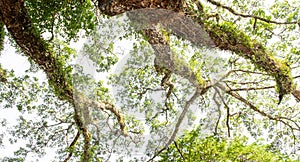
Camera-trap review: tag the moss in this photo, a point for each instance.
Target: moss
(228, 37)
(2, 36)
(193, 65)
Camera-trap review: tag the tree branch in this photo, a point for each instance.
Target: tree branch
(296, 94)
(252, 88)
(254, 108)
(249, 16)
(178, 149)
(219, 110)
(18, 23)
(227, 111)
(72, 146)
(180, 119)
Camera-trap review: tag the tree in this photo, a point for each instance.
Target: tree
(191, 148)
(172, 57)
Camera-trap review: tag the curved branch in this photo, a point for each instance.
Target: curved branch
(218, 4)
(219, 110)
(18, 23)
(227, 111)
(197, 93)
(71, 147)
(254, 108)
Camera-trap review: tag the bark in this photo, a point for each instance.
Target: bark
(224, 38)
(165, 59)
(296, 94)
(18, 23)
(2, 35)
(116, 7)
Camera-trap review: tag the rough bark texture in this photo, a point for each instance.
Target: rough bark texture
(116, 7)
(14, 15)
(19, 25)
(236, 41)
(224, 38)
(164, 59)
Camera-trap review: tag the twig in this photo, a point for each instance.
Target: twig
(219, 110)
(296, 77)
(252, 88)
(72, 145)
(227, 112)
(180, 119)
(254, 108)
(178, 149)
(249, 16)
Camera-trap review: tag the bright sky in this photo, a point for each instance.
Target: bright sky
(10, 60)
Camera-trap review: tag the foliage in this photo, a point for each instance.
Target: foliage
(191, 147)
(63, 18)
(70, 107)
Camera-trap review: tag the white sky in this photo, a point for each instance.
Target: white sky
(10, 60)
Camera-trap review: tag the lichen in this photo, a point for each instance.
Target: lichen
(228, 37)
(193, 65)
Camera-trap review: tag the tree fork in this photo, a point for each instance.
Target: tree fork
(225, 36)
(18, 23)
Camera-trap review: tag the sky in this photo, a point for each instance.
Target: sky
(10, 60)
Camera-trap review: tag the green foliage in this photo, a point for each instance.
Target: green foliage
(100, 51)
(243, 46)
(192, 147)
(63, 17)
(137, 88)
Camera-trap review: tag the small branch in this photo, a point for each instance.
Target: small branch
(72, 145)
(144, 91)
(180, 119)
(254, 108)
(295, 67)
(249, 16)
(219, 110)
(227, 112)
(246, 83)
(178, 149)
(248, 71)
(252, 88)
(296, 77)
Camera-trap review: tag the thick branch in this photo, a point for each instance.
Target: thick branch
(165, 59)
(296, 94)
(15, 16)
(226, 37)
(2, 36)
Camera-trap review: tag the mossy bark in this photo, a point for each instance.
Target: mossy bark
(18, 23)
(224, 36)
